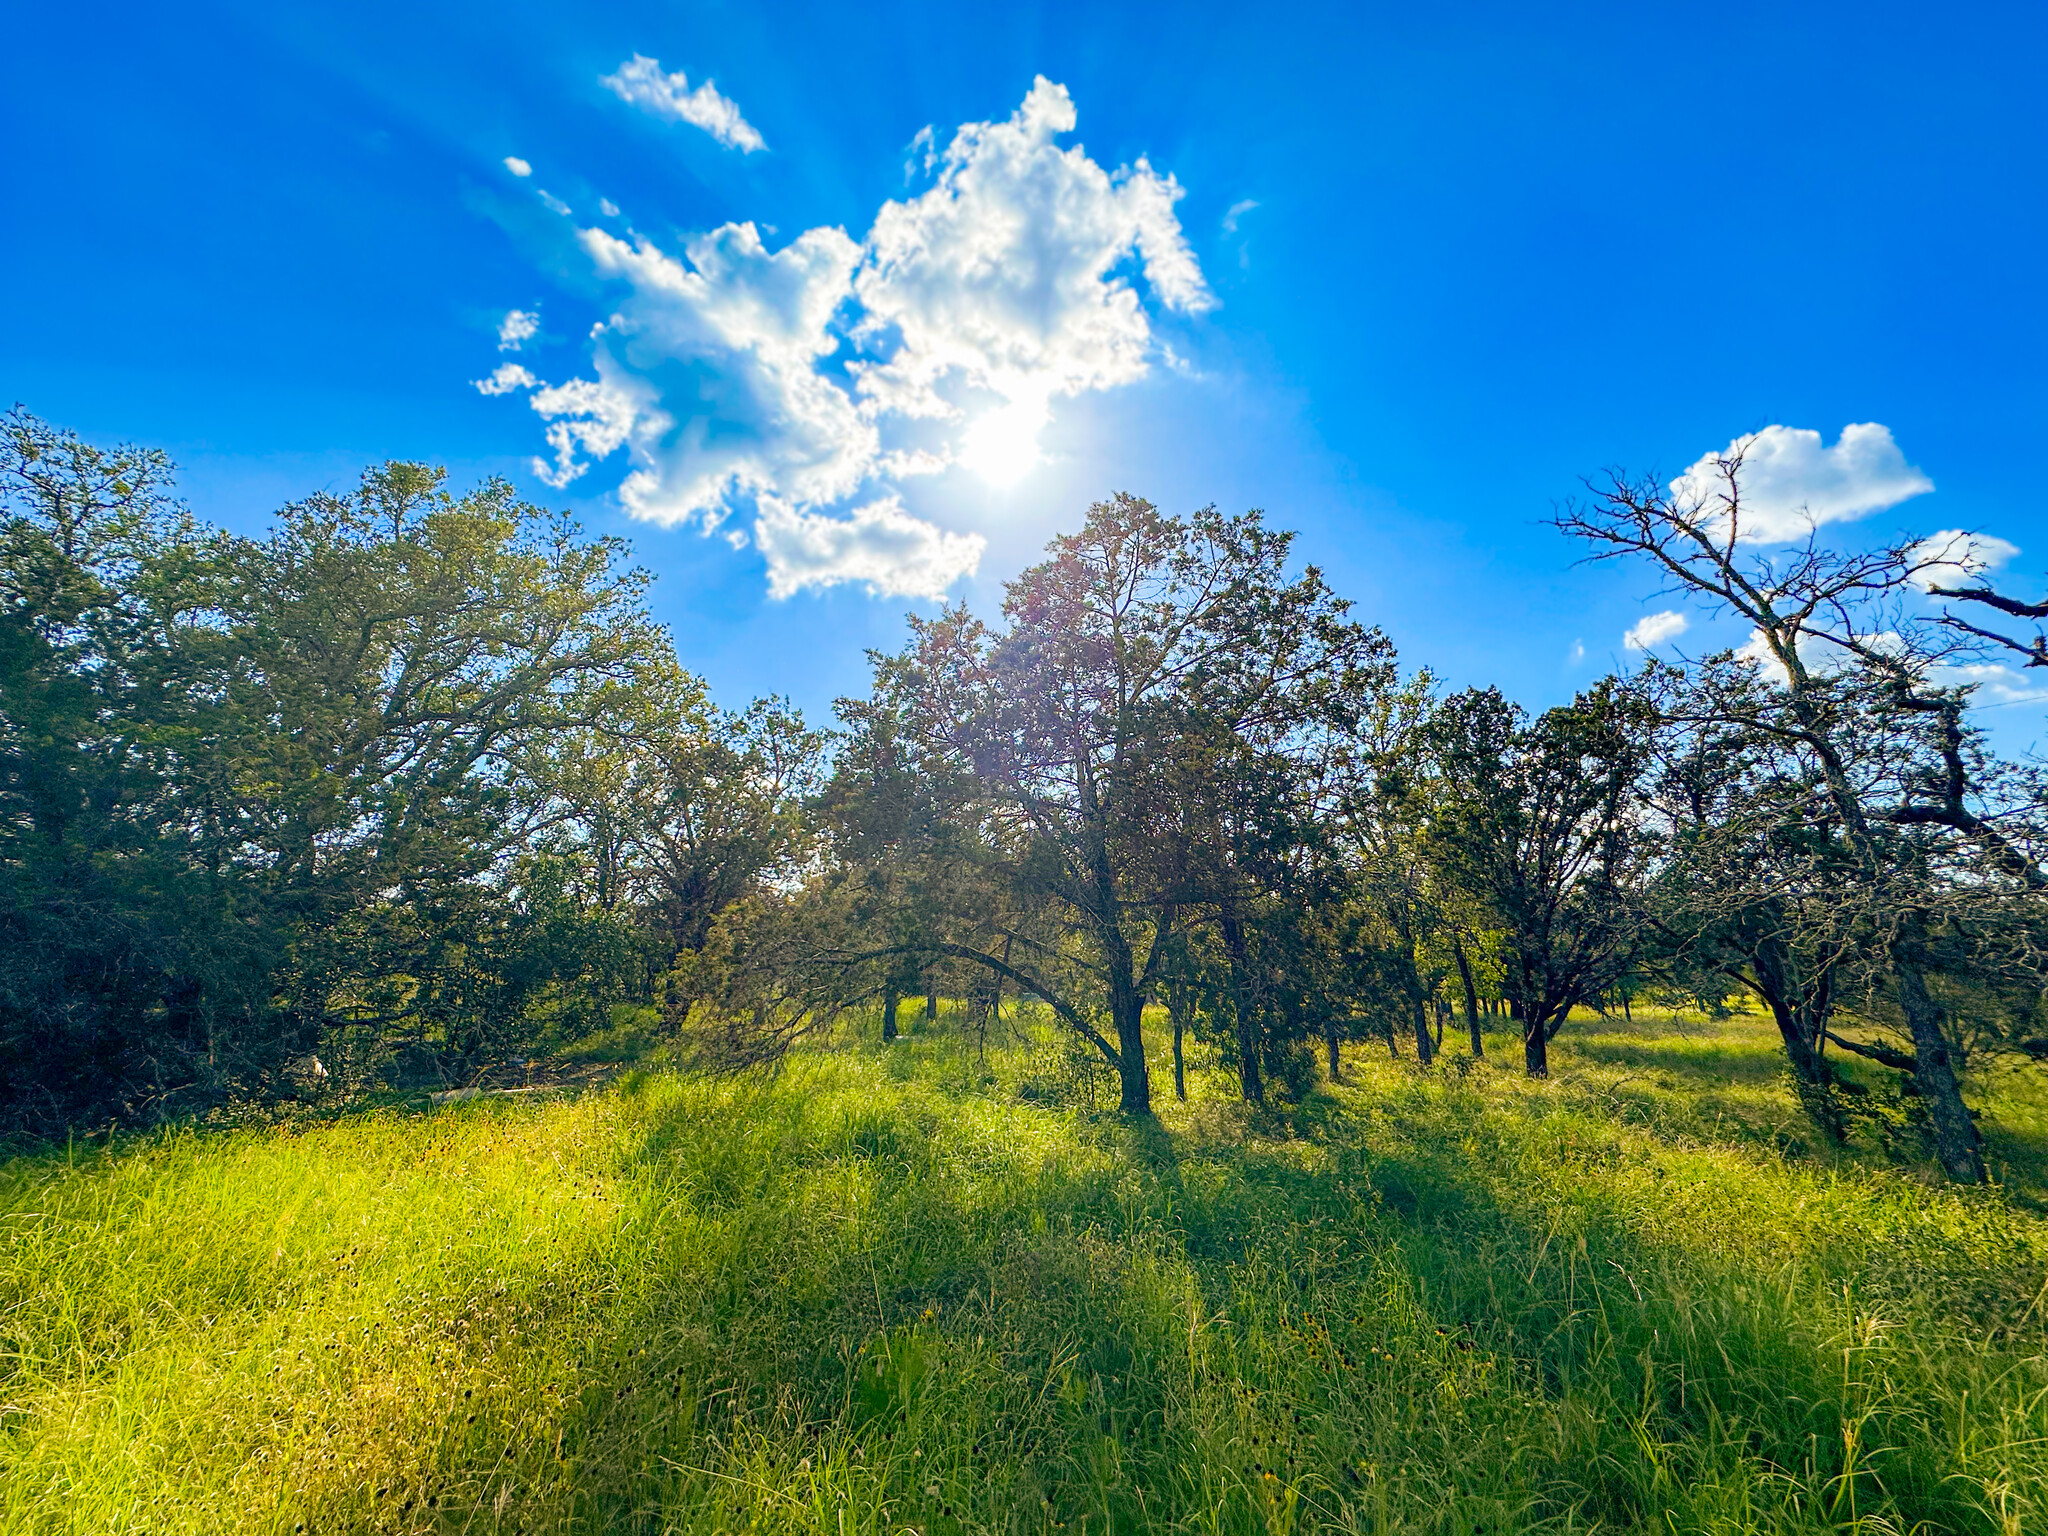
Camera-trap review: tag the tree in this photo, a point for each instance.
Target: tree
(1134, 627)
(260, 796)
(1755, 887)
(1536, 822)
(1856, 695)
(1385, 811)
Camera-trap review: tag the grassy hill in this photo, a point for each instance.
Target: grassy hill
(931, 1290)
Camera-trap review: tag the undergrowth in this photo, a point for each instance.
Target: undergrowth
(930, 1290)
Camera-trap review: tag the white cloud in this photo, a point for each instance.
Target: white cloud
(607, 207)
(553, 204)
(880, 544)
(595, 416)
(640, 81)
(999, 278)
(797, 377)
(509, 376)
(1818, 653)
(1955, 558)
(1791, 484)
(1236, 211)
(1576, 654)
(1996, 684)
(516, 328)
(517, 166)
(1655, 629)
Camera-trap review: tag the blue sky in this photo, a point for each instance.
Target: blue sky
(1399, 275)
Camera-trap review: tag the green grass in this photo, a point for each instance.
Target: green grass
(920, 1290)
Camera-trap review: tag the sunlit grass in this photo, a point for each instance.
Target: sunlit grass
(927, 1289)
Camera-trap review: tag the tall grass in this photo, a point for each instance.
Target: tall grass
(929, 1290)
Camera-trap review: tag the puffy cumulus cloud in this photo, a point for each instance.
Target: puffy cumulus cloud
(516, 329)
(794, 378)
(881, 545)
(640, 81)
(1791, 483)
(1956, 558)
(506, 378)
(517, 166)
(595, 416)
(1654, 629)
(1002, 276)
(734, 335)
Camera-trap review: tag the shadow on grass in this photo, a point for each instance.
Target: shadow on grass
(874, 1286)
(1704, 1064)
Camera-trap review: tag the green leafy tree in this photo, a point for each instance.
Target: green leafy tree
(1536, 821)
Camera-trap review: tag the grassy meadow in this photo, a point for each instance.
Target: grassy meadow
(932, 1290)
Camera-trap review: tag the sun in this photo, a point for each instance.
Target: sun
(1002, 444)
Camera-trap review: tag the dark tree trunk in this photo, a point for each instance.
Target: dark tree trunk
(889, 1002)
(1812, 1079)
(1330, 1040)
(931, 1009)
(1471, 1000)
(1134, 1080)
(1425, 1053)
(1127, 1012)
(1535, 1044)
(1180, 1003)
(1800, 1004)
(1934, 1073)
(1249, 1082)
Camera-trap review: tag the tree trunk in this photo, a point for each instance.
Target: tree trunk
(889, 1002)
(1127, 1012)
(1934, 1073)
(1249, 1082)
(931, 1010)
(1812, 1081)
(1330, 1040)
(1425, 1053)
(1535, 1044)
(1471, 1000)
(1134, 1080)
(1180, 1002)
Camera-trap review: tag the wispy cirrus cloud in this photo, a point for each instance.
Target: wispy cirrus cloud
(795, 379)
(1790, 482)
(640, 81)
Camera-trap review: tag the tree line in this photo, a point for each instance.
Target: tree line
(412, 783)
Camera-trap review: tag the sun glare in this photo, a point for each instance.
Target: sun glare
(1002, 444)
